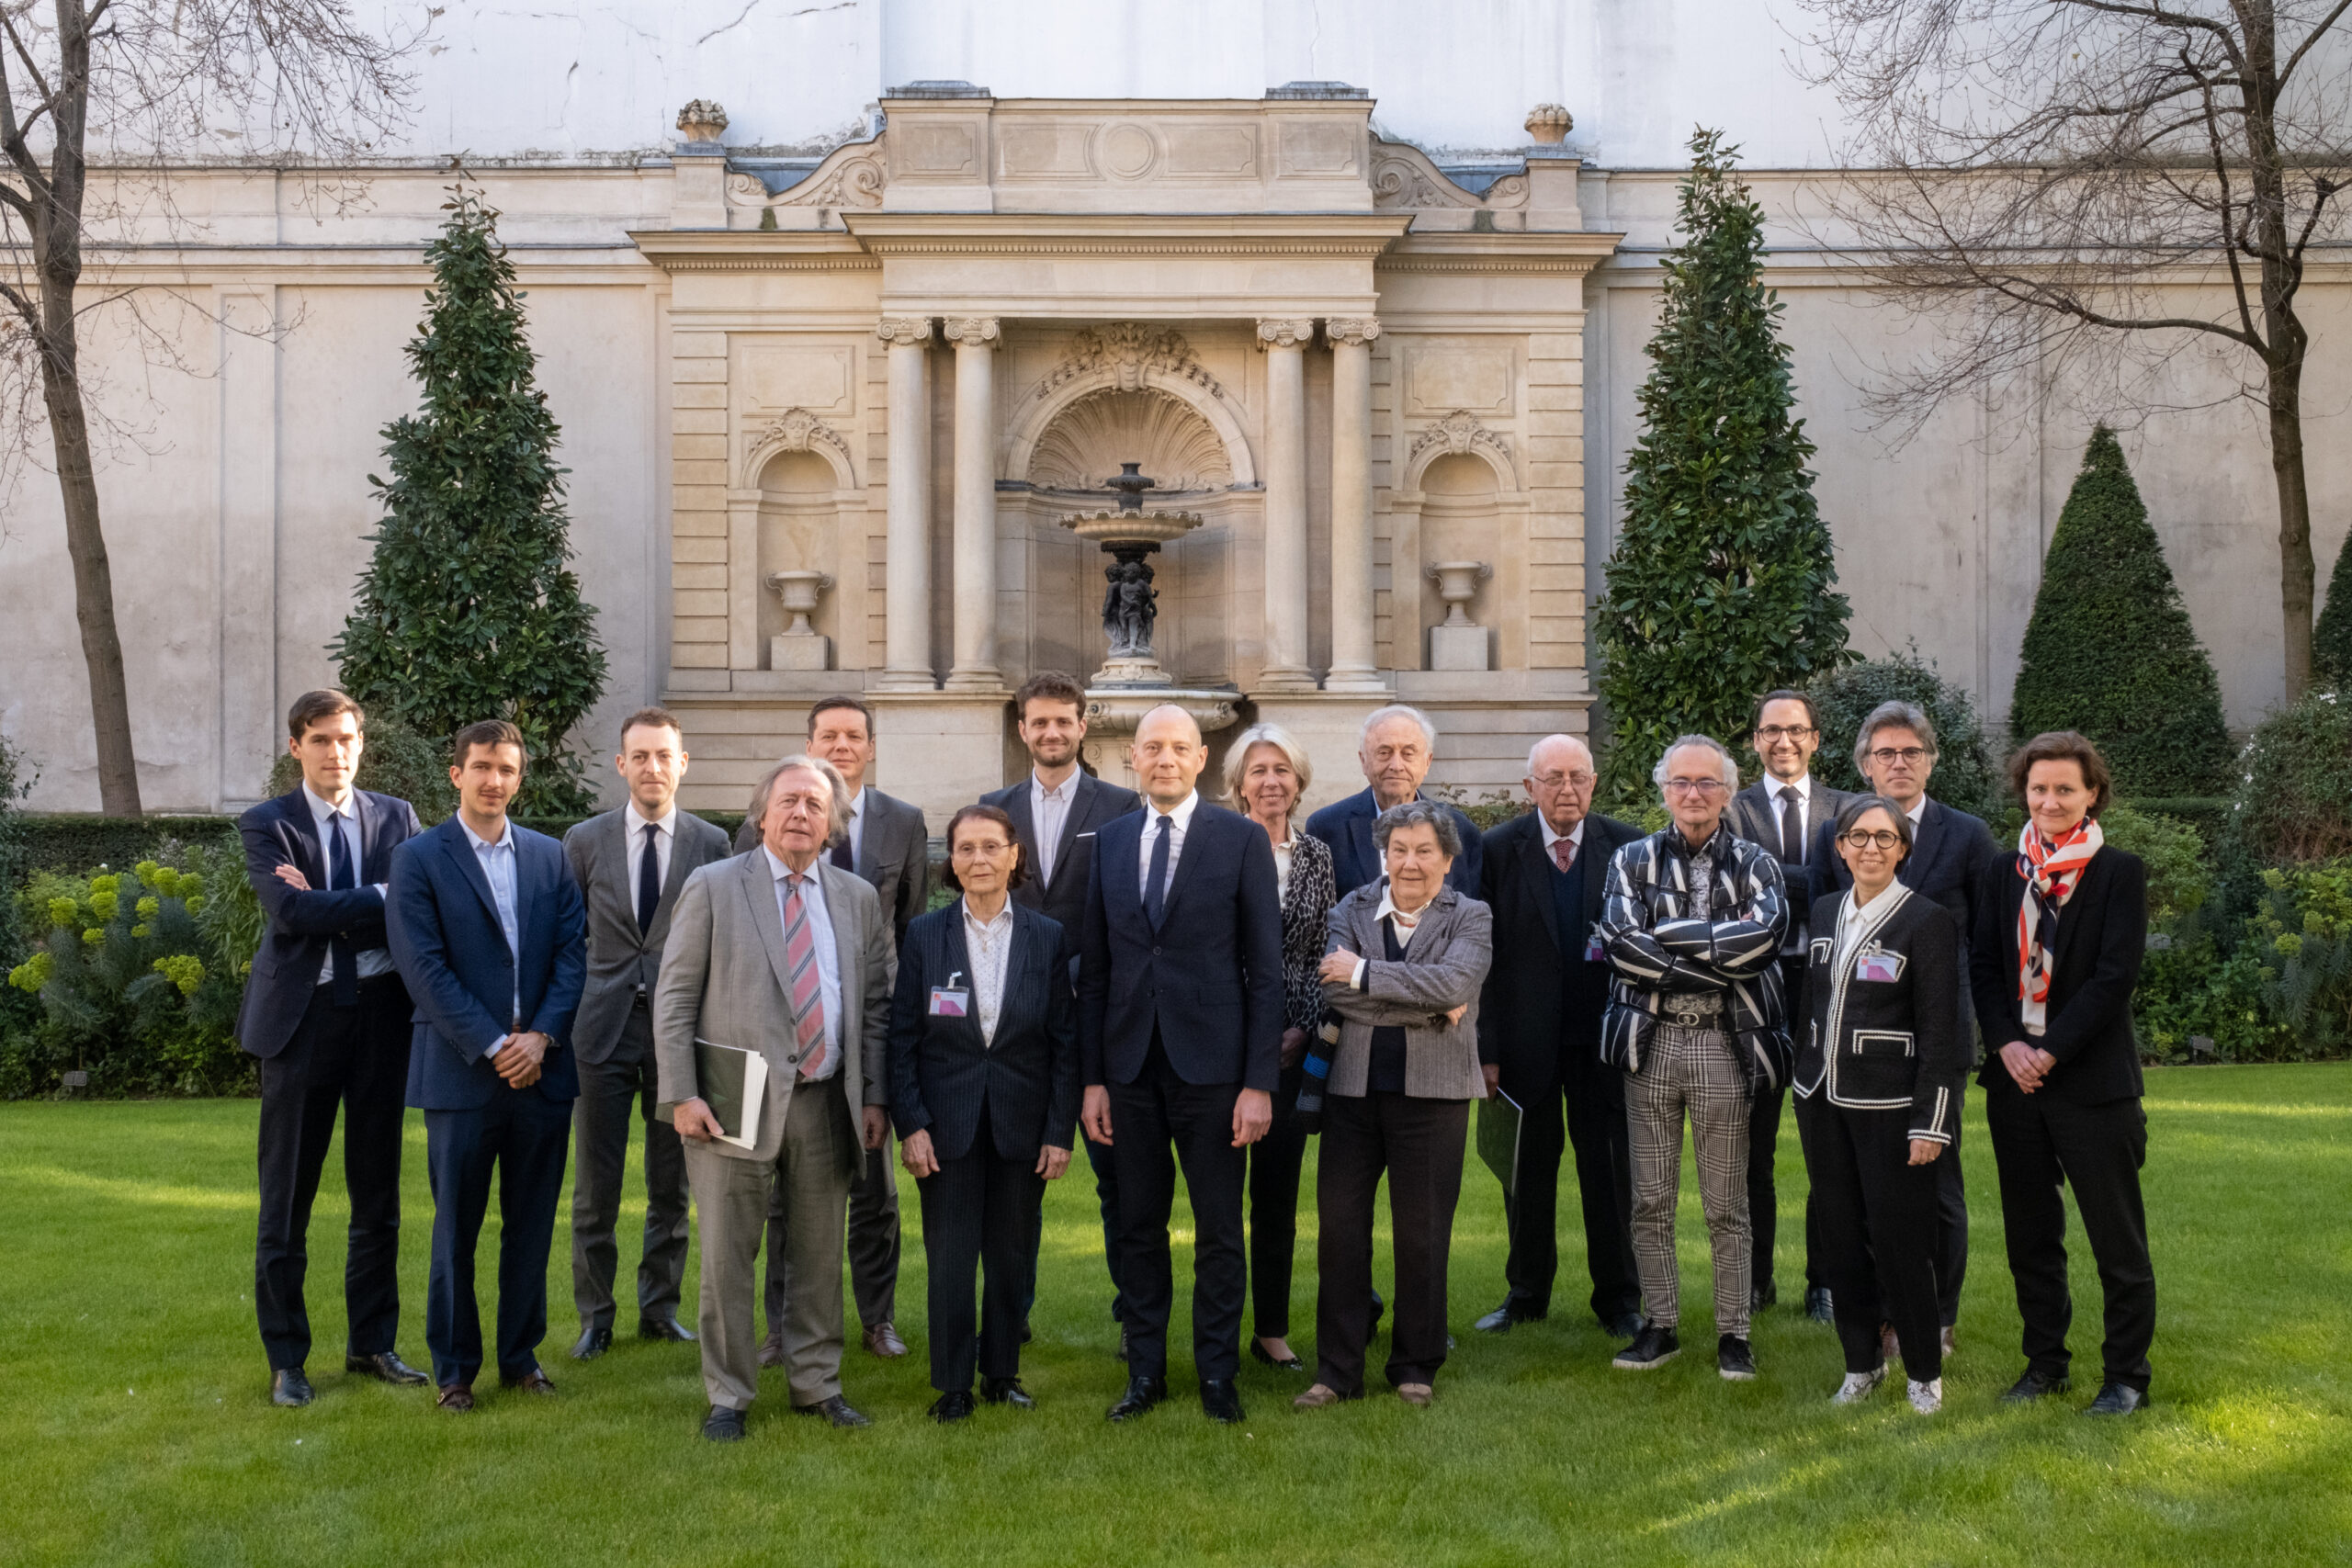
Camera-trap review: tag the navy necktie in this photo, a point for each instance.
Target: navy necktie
(1155, 887)
(844, 856)
(341, 878)
(649, 880)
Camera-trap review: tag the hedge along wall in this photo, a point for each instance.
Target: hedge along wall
(73, 842)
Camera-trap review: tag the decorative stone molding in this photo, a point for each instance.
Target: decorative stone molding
(702, 120)
(907, 331)
(1128, 349)
(852, 176)
(1403, 179)
(1128, 357)
(1458, 432)
(798, 430)
(1286, 333)
(746, 190)
(1549, 124)
(1089, 439)
(1351, 329)
(984, 332)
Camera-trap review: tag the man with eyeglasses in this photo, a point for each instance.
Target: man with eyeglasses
(1950, 850)
(1785, 811)
(1691, 922)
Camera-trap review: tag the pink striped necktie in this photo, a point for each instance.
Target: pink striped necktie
(808, 987)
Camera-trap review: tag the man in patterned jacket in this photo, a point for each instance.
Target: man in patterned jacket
(1691, 924)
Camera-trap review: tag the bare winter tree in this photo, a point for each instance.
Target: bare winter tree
(2098, 180)
(99, 100)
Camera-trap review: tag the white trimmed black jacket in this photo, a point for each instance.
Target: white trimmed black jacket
(1886, 1032)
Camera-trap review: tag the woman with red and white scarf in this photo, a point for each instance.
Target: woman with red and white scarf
(2062, 926)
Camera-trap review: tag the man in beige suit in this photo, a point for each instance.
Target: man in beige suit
(778, 952)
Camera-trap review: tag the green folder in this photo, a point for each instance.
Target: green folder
(1498, 1123)
(733, 1082)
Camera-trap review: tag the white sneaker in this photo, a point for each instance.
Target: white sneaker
(1858, 1387)
(1927, 1398)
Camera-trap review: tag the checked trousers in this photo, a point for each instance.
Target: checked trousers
(1689, 1072)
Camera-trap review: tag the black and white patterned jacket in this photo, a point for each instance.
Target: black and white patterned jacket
(1657, 949)
(1307, 914)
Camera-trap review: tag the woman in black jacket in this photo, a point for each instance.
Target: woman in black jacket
(1880, 1075)
(2060, 927)
(984, 1086)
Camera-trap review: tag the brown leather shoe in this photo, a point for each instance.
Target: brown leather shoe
(533, 1381)
(882, 1341)
(457, 1398)
(1890, 1345)
(1417, 1393)
(1315, 1398)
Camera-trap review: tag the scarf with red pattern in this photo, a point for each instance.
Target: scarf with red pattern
(2051, 871)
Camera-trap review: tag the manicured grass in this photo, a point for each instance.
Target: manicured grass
(134, 1417)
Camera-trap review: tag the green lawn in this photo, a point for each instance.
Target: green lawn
(134, 1417)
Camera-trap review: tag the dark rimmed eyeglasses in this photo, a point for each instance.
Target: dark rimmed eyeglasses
(1865, 837)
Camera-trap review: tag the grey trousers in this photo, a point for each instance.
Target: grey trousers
(810, 1173)
(1692, 1072)
(613, 1094)
(873, 1244)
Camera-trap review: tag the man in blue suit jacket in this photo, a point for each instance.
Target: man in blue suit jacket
(1180, 997)
(489, 929)
(1397, 747)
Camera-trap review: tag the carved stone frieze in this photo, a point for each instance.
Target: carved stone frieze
(1458, 432)
(907, 331)
(851, 175)
(798, 430)
(1351, 329)
(1089, 440)
(983, 331)
(1403, 179)
(1285, 332)
(1127, 349)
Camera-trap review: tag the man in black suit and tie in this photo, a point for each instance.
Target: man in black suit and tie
(327, 1014)
(1783, 811)
(1180, 1034)
(1395, 748)
(888, 845)
(1539, 1038)
(630, 865)
(1057, 811)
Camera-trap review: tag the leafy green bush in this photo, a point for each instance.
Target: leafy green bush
(2303, 935)
(1966, 777)
(2332, 637)
(397, 762)
(2179, 879)
(2294, 796)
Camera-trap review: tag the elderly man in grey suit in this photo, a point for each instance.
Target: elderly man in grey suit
(782, 953)
(630, 865)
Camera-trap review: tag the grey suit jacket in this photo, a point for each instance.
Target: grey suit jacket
(723, 981)
(893, 855)
(1444, 967)
(1755, 816)
(621, 961)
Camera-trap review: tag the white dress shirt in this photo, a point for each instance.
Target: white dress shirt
(664, 837)
(1405, 925)
(1049, 814)
(345, 820)
(989, 943)
(1919, 808)
(1804, 786)
(1178, 821)
(1282, 867)
(829, 967)
(497, 860)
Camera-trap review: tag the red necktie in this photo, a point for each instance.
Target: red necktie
(1565, 851)
(808, 986)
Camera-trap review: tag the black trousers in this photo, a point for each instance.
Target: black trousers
(518, 1141)
(1274, 1164)
(2039, 1142)
(356, 1058)
(1587, 1110)
(1418, 1143)
(978, 1215)
(1156, 1123)
(614, 1093)
(1951, 1218)
(1764, 1107)
(873, 1244)
(1877, 1217)
(1106, 1196)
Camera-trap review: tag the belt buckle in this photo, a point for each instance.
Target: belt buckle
(1688, 1020)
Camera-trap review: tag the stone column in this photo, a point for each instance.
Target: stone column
(1284, 342)
(1353, 666)
(907, 569)
(974, 338)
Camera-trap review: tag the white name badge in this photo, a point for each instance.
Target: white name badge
(1878, 966)
(947, 1003)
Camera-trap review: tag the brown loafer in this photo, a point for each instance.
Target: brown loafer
(1417, 1393)
(882, 1341)
(533, 1381)
(1315, 1398)
(456, 1398)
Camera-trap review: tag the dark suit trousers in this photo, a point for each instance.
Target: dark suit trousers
(1587, 1110)
(613, 1093)
(356, 1057)
(1764, 1107)
(1106, 1197)
(1274, 1163)
(2038, 1141)
(519, 1140)
(1951, 1216)
(979, 1213)
(1419, 1143)
(1877, 1216)
(1156, 1110)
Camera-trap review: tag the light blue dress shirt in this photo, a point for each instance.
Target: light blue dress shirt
(828, 963)
(497, 860)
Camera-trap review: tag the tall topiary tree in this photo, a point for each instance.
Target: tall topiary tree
(2110, 652)
(1720, 586)
(468, 610)
(2332, 639)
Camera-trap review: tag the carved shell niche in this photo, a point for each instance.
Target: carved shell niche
(1089, 440)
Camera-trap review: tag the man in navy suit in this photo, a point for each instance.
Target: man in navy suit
(489, 929)
(326, 1013)
(1396, 747)
(1180, 994)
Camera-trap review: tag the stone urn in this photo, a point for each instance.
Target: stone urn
(799, 645)
(703, 120)
(1549, 124)
(1459, 643)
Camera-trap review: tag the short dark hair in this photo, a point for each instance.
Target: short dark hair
(652, 719)
(325, 703)
(1862, 806)
(1051, 685)
(843, 700)
(2063, 746)
(1783, 695)
(492, 732)
(986, 814)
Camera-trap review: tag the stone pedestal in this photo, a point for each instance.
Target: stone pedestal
(800, 650)
(942, 750)
(1457, 648)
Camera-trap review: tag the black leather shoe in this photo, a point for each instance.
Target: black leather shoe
(1379, 1307)
(723, 1425)
(668, 1328)
(592, 1343)
(1817, 1304)
(289, 1388)
(952, 1407)
(1735, 1358)
(1764, 1295)
(385, 1366)
(1624, 1326)
(2034, 1385)
(1499, 1321)
(836, 1410)
(1287, 1364)
(1007, 1391)
(1142, 1394)
(2116, 1399)
(1220, 1401)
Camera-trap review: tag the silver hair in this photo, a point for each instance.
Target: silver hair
(1705, 743)
(837, 812)
(1896, 715)
(1381, 716)
(1237, 756)
(1575, 741)
(1413, 814)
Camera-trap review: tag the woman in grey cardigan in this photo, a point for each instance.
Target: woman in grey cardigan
(1407, 956)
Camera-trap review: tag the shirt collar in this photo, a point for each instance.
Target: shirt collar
(1802, 784)
(1066, 789)
(1388, 906)
(1573, 835)
(1003, 917)
(322, 808)
(1919, 811)
(1183, 814)
(505, 834)
(1683, 847)
(639, 821)
(856, 803)
(779, 871)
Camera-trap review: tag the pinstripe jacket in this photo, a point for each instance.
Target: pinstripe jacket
(1885, 1032)
(1658, 950)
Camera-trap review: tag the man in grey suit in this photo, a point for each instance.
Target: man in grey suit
(886, 842)
(630, 865)
(782, 953)
(1782, 811)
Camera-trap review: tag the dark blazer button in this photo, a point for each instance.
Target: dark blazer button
(1155, 953)
(792, 1061)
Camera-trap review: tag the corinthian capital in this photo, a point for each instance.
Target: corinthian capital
(907, 331)
(1282, 331)
(975, 331)
(1351, 329)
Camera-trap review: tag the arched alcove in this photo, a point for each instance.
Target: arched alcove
(1461, 520)
(800, 529)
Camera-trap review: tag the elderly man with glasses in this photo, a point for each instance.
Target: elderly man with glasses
(1691, 920)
